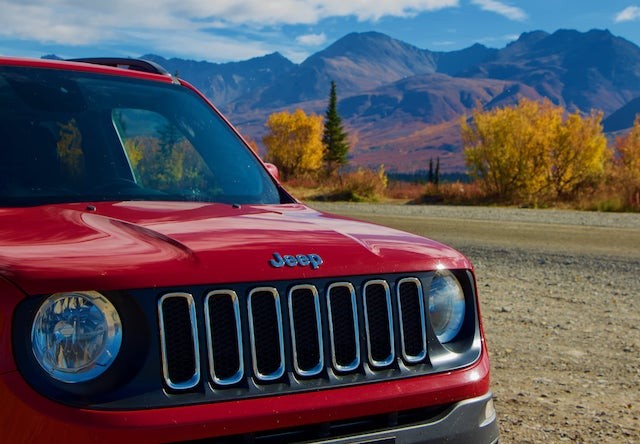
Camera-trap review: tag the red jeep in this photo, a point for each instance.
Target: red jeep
(159, 285)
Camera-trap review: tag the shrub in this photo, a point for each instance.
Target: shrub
(530, 153)
(361, 185)
(626, 167)
(402, 190)
(459, 193)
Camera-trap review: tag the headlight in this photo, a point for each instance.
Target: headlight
(76, 336)
(446, 306)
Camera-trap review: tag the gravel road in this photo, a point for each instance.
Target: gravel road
(560, 301)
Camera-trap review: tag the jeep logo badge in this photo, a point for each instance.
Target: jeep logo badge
(300, 260)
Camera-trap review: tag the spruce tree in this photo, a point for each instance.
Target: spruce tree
(334, 137)
(430, 176)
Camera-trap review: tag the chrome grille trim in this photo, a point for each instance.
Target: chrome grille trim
(293, 333)
(412, 358)
(257, 335)
(317, 330)
(372, 328)
(239, 374)
(194, 379)
(355, 363)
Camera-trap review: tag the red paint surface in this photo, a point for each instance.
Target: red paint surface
(27, 417)
(144, 244)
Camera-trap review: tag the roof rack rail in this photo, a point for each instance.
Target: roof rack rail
(125, 63)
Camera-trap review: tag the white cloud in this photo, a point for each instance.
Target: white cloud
(502, 39)
(444, 43)
(628, 14)
(201, 46)
(366, 10)
(511, 12)
(40, 17)
(312, 39)
(220, 29)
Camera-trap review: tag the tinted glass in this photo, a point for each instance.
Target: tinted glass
(69, 137)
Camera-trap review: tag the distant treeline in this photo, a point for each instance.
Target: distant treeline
(422, 176)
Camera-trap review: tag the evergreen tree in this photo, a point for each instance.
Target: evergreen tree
(334, 137)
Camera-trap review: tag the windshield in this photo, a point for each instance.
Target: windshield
(72, 137)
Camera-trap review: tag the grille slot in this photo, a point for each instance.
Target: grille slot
(343, 327)
(224, 337)
(379, 323)
(265, 325)
(306, 330)
(413, 338)
(179, 341)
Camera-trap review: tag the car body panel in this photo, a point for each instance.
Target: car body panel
(30, 413)
(109, 246)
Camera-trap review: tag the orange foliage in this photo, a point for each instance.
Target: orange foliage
(627, 165)
(294, 142)
(528, 152)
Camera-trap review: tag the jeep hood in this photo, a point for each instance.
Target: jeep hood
(126, 245)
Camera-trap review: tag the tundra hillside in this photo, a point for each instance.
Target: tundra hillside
(559, 296)
(403, 104)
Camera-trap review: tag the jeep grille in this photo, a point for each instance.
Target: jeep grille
(303, 335)
(267, 334)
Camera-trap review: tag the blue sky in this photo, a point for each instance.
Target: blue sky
(232, 30)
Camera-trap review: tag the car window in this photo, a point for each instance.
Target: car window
(69, 137)
(160, 156)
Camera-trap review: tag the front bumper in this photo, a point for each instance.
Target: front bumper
(464, 415)
(469, 421)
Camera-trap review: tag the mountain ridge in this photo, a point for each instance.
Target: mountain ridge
(402, 104)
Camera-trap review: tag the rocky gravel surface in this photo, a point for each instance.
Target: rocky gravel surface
(560, 300)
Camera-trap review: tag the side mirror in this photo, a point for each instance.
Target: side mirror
(273, 170)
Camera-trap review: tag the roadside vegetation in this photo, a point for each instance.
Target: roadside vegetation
(532, 154)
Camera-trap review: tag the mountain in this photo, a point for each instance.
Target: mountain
(456, 62)
(404, 124)
(576, 70)
(623, 118)
(228, 82)
(357, 62)
(408, 122)
(402, 105)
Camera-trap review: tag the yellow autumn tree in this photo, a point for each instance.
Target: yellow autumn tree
(578, 155)
(627, 164)
(294, 142)
(70, 149)
(507, 148)
(530, 152)
(166, 165)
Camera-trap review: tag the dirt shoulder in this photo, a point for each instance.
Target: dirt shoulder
(560, 301)
(552, 231)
